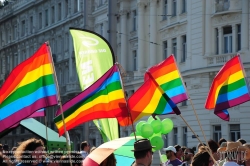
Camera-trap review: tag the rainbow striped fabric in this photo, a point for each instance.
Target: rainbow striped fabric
(29, 87)
(150, 99)
(168, 77)
(103, 99)
(229, 88)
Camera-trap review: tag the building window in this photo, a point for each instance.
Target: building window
(184, 48)
(135, 60)
(31, 25)
(238, 37)
(217, 41)
(227, 35)
(66, 8)
(165, 137)
(75, 6)
(59, 11)
(101, 2)
(52, 14)
(101, 29)
(174, 47)
(23, 28)
(134, 20)
(175, 136)
(165, 50)
(184, 6)
(46, 17)
(40, 21)
(217, 133)
(184, 143)
(165, 9)
(234, 132)
(174, 9)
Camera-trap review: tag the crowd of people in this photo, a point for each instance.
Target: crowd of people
(223, 153)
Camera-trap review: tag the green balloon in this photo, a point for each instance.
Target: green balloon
(138, 126)
(150, 119)
(167, 126)
(157, 142)
(146, 130)
(164, 158)
(156, 125)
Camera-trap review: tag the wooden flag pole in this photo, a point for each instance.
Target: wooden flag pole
(129, 113)
(60, 103)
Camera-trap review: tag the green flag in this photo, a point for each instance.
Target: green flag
(94, 56)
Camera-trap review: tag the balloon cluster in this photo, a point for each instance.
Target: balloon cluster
(153, 129)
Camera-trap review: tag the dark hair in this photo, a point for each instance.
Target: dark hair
(84, 144)
(242, 141)
(221, 141)
(177, 147)
(213, 145)
(141, 154)
(201, 158)
(190, 150)
(200, 144)
(183, 148)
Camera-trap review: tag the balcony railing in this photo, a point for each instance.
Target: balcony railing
(218, 59)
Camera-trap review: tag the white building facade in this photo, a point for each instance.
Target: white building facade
(202, 34)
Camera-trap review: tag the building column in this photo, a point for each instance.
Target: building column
(245, 25)
(234, 37)
(170, 50)
(169, 11)
(124, 37)
(208, 29)
(141, 33)
(105, 29)
(153, 32)
(179, 135)
(221, 48)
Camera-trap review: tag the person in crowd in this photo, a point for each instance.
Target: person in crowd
(221, 141)
(4, 161)
(76, 159)
(247, 155)
(199, 145)
(171, 155)
(143, 153)
(202, 158)
(221, 151)
(109, 161)
(30, 152)
(84, 149)
(188, 157)
(1, 148)
(214, 147)
(179, 152)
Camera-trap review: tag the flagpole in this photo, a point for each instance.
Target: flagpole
(209, 152)
(129, 112)
(190, 100)
(46, 127)
(60, 103)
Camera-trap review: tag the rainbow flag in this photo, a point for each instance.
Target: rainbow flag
(150, 99)
(29, 87)
(103, 99)
(168, 77)
(229, 88)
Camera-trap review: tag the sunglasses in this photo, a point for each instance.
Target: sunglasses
(187, 153)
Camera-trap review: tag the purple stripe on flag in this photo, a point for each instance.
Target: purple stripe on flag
(86, 92)
(223, 114)
(179, 98)
(38, 113)
(22, 114)
(231, 103)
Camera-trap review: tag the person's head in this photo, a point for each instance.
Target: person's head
(30, 151)
(76, 159)
(179, 152)
(221, 141)
(188, 154)
(143, 151)
(170, 152)
(242, 141)
(202, 158)
(85, 146)
(213, 145)
(109, 161)
(183, 148)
